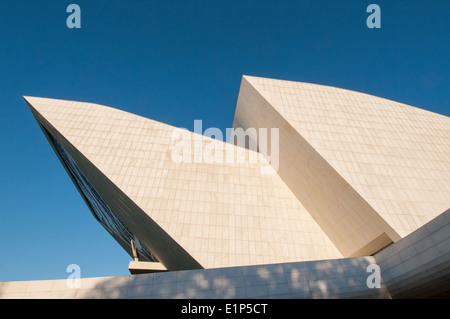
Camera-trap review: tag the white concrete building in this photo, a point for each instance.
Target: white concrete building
(345, 181)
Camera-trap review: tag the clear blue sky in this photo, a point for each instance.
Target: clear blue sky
(176, 61)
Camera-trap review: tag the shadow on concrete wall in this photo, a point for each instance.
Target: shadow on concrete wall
(414, 267)
(339, 278)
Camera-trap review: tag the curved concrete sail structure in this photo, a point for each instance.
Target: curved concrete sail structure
(355, 173)
(187, 215)
(369, 170)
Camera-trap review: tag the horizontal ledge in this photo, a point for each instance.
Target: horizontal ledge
(145, 267)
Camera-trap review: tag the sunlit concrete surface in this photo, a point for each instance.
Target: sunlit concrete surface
(357, 180)
(188, 215)
(369, 170)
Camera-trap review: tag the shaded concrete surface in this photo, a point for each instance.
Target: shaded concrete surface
(337, 278)
(418, 266)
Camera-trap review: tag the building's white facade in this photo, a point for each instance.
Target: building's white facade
(354, 174)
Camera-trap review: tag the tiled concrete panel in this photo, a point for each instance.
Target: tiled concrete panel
(189, 215)
(418, 266)
(354, 227)
(337, 278)
(395, 156)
